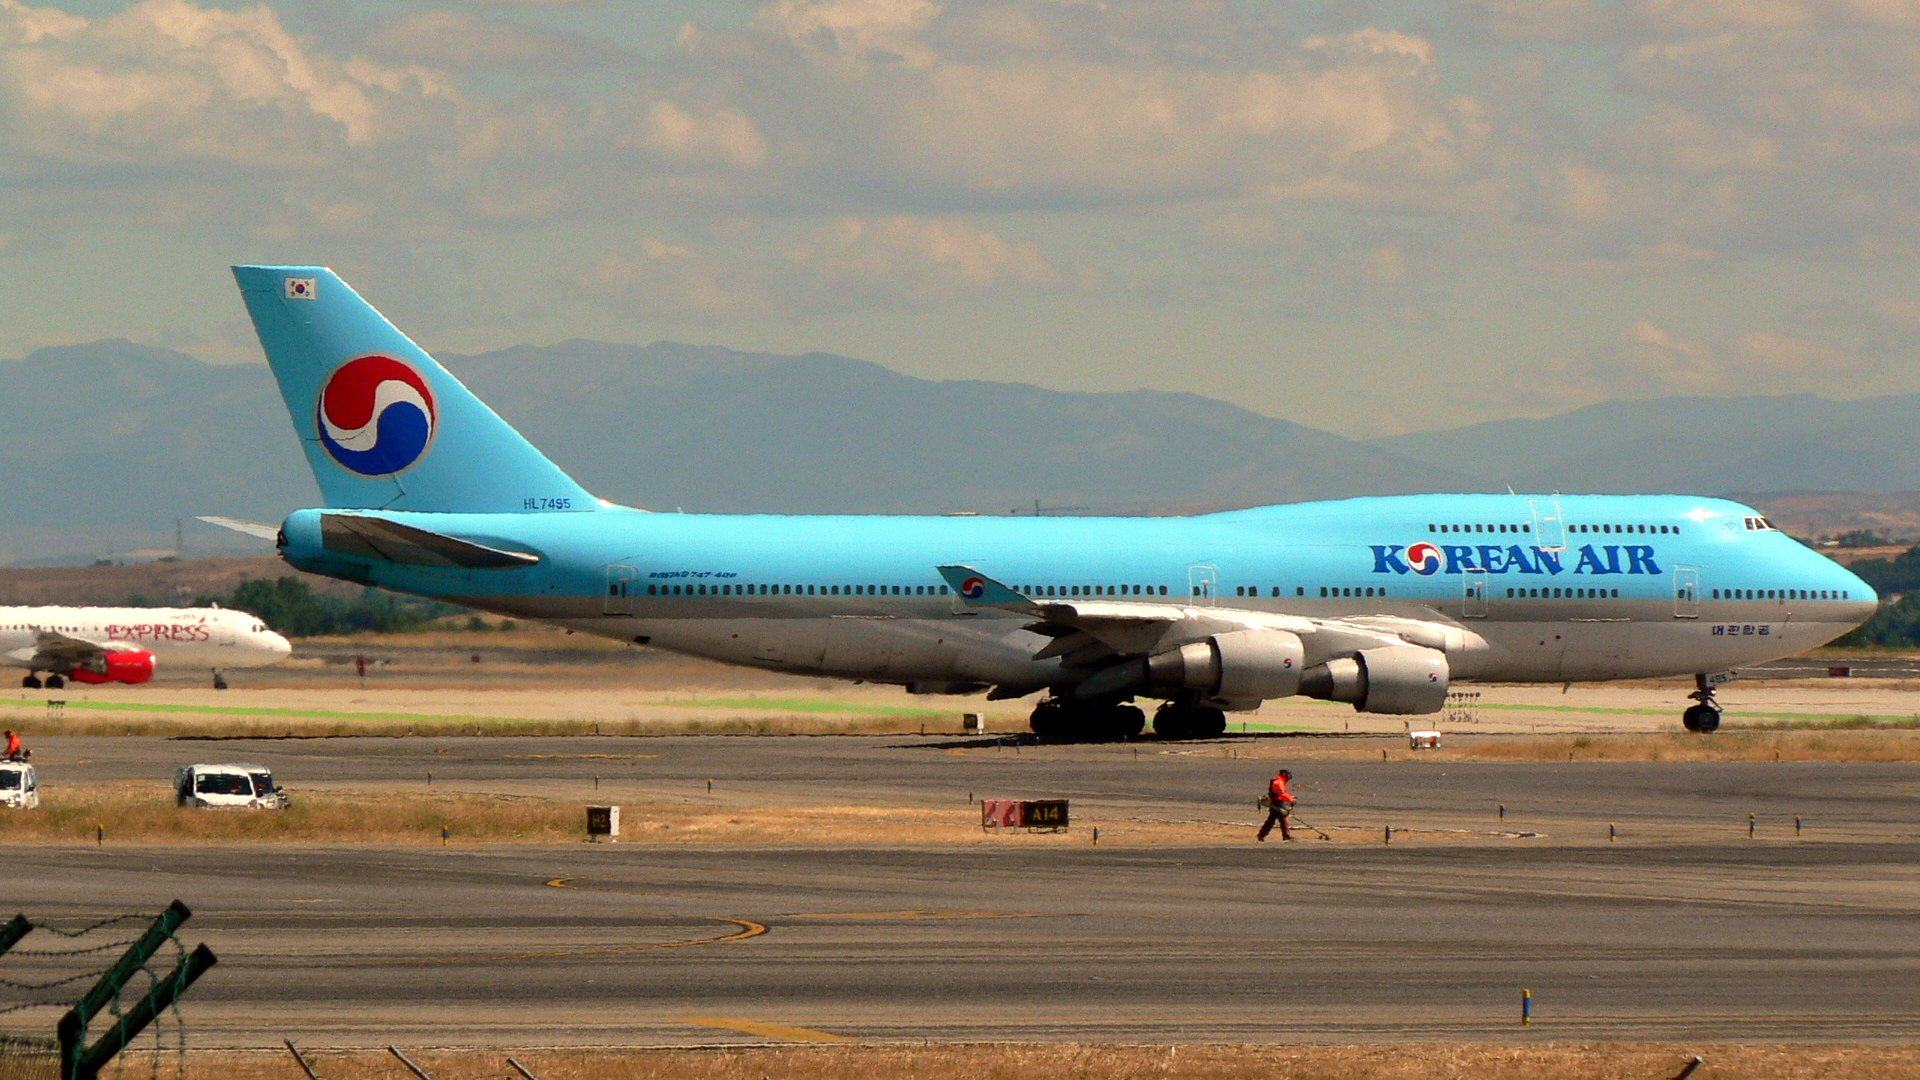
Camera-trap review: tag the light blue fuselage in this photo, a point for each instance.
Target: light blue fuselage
(1635, 586)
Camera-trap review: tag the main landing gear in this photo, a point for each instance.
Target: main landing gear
(32, 682)
(219, 681)
(1078, 721)
(1703, 718)
(1075, 721)
(1180, 721)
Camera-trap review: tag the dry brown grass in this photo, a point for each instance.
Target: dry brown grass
(275, 724)
(1041, 1061)
(145, 813)
(1839, 744)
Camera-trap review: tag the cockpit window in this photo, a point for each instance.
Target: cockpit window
(221, 784)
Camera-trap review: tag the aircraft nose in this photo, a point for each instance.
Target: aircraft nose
(278, 645)
(1862, 601)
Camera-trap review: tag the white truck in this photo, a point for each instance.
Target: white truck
(19, 789)
(248, 787)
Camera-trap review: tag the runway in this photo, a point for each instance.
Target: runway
(1685, 929)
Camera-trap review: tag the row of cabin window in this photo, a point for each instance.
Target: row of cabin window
(1526, 528)
(1673, 530)
(1557, 594)
(796, 590)
(1092, 590)
(1760, 524)
(1781, 594)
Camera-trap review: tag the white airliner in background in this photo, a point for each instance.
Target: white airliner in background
(120, 644)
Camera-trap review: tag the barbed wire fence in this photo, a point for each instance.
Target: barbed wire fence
(61, 982)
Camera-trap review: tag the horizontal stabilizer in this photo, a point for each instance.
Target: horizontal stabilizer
(252, 528)
(378, 538)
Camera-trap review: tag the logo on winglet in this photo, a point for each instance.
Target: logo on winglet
(302, 288)
(376, 415)
(973, 588)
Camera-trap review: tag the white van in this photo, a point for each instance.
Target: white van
(18, 787)
(248, 787)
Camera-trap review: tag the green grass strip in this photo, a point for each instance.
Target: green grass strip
(335, 714)
(796, 705)
(1731, 713)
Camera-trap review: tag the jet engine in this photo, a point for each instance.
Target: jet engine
(1242, 665)
(1393, 679)
(135, 666)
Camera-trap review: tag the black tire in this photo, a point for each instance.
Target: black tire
(1173, 723)
(1049, 721)
(31, 682)
(55, 682)
(1127, 721)
(1209, 723)
(1701, 719)
(219, 682)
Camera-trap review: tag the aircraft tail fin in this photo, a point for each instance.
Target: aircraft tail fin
(384, 426)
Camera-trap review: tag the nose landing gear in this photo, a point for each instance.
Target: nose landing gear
(1703, 718)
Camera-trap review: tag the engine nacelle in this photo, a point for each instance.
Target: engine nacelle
(1395, 679)
(135, 666)
(1243, 665)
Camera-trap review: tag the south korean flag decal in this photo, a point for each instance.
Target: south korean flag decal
(301, 288)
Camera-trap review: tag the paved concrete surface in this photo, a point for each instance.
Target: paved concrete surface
(1684, 929)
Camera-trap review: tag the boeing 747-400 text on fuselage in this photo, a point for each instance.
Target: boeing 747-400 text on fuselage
(1380, 602)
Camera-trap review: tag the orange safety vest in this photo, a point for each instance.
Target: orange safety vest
(13, 745)
(1278, 792)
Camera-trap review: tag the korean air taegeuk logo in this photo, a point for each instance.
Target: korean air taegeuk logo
(376, 415)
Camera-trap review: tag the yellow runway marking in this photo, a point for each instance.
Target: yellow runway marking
(909, 915)
(747, 929)
(574, 757)
(764, 1030)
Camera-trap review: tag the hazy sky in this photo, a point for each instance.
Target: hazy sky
(1367, 217)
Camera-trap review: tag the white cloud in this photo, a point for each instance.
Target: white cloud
(931, 258)
(171, 80)
(724, 136)
(854, 29)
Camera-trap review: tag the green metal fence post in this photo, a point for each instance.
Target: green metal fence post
(144, 1011)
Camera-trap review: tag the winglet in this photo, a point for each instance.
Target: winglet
(977, 589)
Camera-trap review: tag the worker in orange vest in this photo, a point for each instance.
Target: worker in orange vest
(14, 750)
(1279, 802)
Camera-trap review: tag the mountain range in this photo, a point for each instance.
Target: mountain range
(110, 443)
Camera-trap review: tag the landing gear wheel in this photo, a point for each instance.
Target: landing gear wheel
(1209, 723)
(219, 681)
(1189, 722)
(31, 682)
(1050, 720)
(1126, 721)
(1702, 719)
(55, 682)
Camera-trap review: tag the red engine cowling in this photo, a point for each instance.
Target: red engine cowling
(127, 667)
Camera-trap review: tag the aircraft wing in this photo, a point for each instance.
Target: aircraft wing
(1094, 633)
(51, 648)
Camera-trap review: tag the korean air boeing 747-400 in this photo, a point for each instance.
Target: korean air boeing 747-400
(1379, 602)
